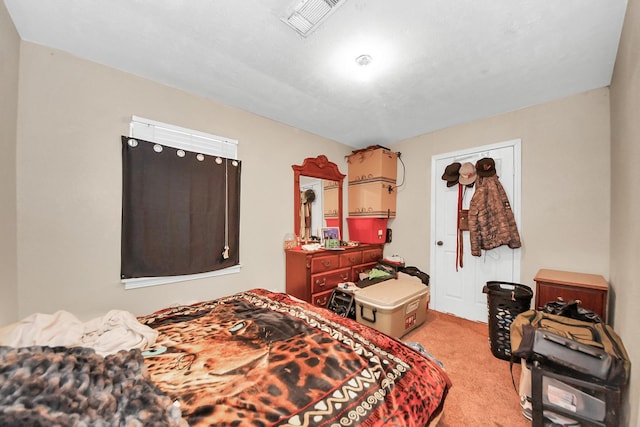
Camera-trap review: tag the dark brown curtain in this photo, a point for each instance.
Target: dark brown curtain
(178, 212)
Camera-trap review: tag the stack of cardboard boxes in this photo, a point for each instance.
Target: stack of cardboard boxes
(330, 189)
(372, 193)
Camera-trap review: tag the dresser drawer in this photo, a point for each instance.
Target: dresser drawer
(327, 281)
(351, 258)
(312, 276)
(325, 263)
(321, 299)
(371, 255)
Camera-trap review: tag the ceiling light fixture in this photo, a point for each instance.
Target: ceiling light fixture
(364, 60)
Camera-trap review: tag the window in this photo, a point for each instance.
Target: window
(180, 206)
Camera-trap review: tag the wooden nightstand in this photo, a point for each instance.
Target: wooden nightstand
(591, 289)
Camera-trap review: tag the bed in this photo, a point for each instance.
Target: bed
(254, 358)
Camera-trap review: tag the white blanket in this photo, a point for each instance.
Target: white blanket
(115, 331)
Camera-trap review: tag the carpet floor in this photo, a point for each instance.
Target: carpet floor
(482, 393)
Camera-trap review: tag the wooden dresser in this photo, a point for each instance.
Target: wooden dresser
(312, 276)
(591, 289)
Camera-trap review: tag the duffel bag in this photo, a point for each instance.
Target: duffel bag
(597, 335)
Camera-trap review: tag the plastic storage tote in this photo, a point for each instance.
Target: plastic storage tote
(505, 301)
(394, 306)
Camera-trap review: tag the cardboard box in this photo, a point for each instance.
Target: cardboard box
(367, 230)
(394, 307)
(374, 163)
(328, 184)
(330, 201)
(372, 198)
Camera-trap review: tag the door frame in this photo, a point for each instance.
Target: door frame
(516, 203)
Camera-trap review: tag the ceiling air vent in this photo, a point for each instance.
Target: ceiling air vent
(307, 15)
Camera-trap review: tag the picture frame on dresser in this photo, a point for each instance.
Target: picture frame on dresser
(330, 237)
(332, 233)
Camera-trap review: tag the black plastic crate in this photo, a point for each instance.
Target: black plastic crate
(505, 300)
(343, 303)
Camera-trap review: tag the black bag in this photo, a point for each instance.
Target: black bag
(415, 271)
(571, 309)
(579, 339)
(556, 351)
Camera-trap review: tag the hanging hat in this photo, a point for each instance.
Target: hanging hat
(451, 174)
(467, 174)
(486, 167)
(308, 196)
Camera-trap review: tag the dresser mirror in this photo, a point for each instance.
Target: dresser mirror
(317, 197)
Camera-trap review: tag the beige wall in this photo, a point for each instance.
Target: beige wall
(9, 57)
(565, 183)
(625, 196)
(71, 115)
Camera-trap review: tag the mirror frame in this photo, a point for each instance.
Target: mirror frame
(318, 167)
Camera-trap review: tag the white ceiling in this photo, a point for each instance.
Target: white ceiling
(436, 63)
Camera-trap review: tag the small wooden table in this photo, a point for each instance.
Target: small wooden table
(591, 290)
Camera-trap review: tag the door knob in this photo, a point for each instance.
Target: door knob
(439, 243)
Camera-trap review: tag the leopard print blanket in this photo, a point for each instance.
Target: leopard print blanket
(260, 358)
(41, 386)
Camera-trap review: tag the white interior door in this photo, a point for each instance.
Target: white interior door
(460, 292)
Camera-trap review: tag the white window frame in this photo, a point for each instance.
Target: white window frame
(188, 140)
